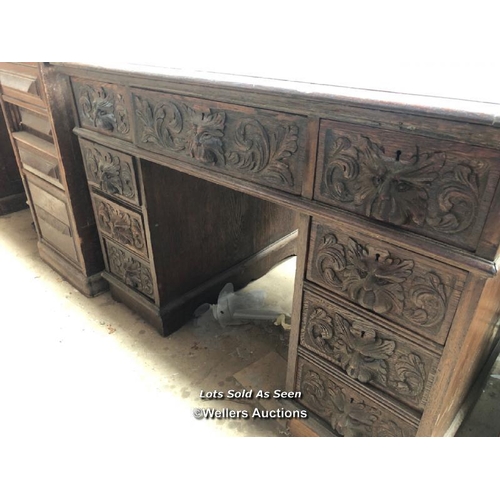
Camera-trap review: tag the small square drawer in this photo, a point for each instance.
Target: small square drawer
(436, 188)
(102, 107)
(120, 224)
(130, 269)
(349, 412)
(412, 291)
(367, 352)
(110, 171)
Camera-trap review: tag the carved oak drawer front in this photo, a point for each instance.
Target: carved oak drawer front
(440, 189)
(110, 171)
(367, 352)
(120, 224)
(130, 269)
(406, 288)
(263, 146)
(349, 413)
(102, 107)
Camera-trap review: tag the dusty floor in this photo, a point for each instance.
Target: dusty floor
(78, 369)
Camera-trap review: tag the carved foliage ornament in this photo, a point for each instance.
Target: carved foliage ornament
(437, 190)
(364, 354)
(251, 147)
(381, 282)
(348, 417)
(111, 174)
(120, 225)
(103, 109)
(131, 271)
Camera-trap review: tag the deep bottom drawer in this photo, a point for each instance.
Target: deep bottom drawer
(349, 412)
(129, 269)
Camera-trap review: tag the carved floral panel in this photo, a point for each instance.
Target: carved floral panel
(408, 289)
(131, 270)
(262, 146)
(434, 188)
(348, 413)
(110, 171)
(367, 353)
(120, 224)
(102, 107)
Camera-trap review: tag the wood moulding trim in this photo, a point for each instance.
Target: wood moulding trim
(33, 104)
(304, 229)
(419, 244)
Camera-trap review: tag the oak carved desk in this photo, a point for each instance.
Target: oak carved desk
(390, 202)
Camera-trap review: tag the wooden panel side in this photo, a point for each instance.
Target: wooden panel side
(62, 117)
(199, 229)
(471, 340)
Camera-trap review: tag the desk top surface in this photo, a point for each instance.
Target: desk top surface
(458, 96)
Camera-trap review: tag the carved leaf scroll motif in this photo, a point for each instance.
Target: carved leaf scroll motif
(130, 270)
(365, 355)
(250, 146)
(435, 190)
(120, 226)
(348, 416)
(381, 282)
(258, 150)
(111, 174)
(103, 109)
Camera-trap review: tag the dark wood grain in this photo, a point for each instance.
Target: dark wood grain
(472, 338)
(63, 119)
(200, 229)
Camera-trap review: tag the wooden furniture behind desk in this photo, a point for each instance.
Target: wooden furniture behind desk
(396, 205)
(37, 105)
(12, 196)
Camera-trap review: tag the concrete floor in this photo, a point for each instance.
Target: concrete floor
(83, 370)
